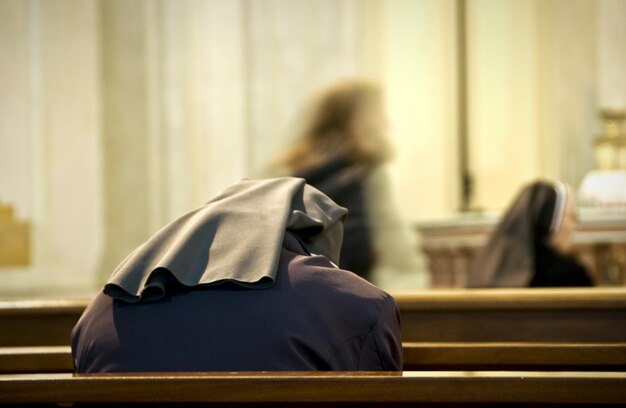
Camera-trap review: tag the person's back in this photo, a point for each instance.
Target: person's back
(313, 317)
(316, 317)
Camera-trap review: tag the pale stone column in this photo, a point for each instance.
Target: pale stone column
(175, 110)
(567, 94)
(293, 49)
(502, 97)
(15, 147)
(52, 141)
(127, 134)
(611, 43)
(203, 100)
(419, 72)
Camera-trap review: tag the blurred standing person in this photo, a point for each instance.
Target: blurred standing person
(341, 141)
(341, 145)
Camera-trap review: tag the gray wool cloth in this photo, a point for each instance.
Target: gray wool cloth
(235, 237)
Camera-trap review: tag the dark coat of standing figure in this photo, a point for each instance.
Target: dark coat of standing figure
(531, 246)
(341, 141)
(246, 282)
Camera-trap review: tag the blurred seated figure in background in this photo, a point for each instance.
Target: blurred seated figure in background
(246, 282)
(341, 145)
(532, 244)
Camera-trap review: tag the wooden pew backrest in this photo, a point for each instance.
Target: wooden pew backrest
(500, 315)
(515, 356)
(417, 357)
(40, 359)
(595, 315)
(38, 322)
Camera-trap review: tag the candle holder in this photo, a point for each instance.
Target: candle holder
(610, 146)
(605, 186)
(14, 239)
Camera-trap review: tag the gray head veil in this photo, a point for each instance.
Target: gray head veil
(235, 237)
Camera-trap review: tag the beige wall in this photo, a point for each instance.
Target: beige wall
(420, 78)
(502, 97)
(116, 116)
(50, 168)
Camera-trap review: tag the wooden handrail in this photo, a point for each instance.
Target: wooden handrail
(319, 387)
(43, 306)
(432, 299)
(512, 299)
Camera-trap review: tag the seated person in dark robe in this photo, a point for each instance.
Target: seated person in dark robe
(532, 244)
(246, 282)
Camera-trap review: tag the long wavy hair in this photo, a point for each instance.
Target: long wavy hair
(346, 120)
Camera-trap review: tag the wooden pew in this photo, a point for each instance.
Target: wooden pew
(504, 315)
(442, 330)
(39, 359)
(595, 315)
(38, 322)
(417, 357)
(515, 356)
(528, 389)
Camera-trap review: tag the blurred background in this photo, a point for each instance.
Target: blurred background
(117, 116)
